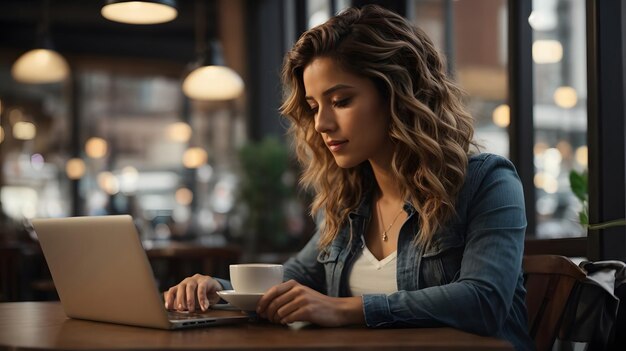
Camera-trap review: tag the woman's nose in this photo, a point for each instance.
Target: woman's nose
(324, 120)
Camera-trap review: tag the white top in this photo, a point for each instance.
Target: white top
(371, 276)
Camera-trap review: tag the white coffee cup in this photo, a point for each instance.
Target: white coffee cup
(255, 278)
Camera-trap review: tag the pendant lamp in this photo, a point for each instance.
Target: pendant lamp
(42, 64)
(140, 12)
(210, 79)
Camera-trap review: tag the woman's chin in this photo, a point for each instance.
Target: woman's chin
(346, 163)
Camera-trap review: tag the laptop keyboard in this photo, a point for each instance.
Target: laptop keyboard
(179, 315)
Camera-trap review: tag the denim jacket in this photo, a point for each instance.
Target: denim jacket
(469, 277)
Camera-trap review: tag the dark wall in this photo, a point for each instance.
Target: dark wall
(265, 39)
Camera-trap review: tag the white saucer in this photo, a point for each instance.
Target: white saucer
(244, 301)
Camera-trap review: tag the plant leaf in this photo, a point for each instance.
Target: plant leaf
(578, 183)
(584, 219)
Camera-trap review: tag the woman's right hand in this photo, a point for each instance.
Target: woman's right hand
(198, 289)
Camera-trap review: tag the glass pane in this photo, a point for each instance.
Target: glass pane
(559, 56)
(32, 131)
(476, 51)
(318, 11)
(131, 117)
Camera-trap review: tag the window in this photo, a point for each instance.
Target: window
(477, 58)
(560, 112)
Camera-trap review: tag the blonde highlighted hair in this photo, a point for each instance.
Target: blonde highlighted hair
(430, 129)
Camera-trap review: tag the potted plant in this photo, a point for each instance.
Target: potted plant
(265, 193)
(578, 183)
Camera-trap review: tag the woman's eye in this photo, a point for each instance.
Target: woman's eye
(342, 102)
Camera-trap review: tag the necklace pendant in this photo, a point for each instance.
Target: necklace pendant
(385, 238)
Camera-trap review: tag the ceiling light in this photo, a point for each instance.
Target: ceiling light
(195, 157)
(213, 82)
(23, 130)
(140, 12)
(184, 196)
(109, 183)
(502, 116)
(96, 147)
(42, 64)
(547, 51)
(178, 132)
(565, 97)
(75, 168)
(209, 79)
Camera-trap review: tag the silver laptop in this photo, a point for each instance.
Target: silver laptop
(101, 273)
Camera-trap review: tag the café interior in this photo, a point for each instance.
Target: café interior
(175, 122)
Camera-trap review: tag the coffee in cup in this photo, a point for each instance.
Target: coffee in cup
(255, 278)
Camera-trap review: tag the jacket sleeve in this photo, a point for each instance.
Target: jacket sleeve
(480, 299)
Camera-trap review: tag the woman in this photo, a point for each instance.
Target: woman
(413, 229)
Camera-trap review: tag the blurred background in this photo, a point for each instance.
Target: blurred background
(114, 125)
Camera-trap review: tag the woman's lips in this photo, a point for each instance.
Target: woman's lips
(336, 146)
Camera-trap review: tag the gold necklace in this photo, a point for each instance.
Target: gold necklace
(384, 233)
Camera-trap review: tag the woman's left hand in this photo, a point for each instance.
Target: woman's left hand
(290, 302)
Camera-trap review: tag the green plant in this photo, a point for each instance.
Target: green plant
(578, 183)
(265, 193)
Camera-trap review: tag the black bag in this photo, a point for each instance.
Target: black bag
(592, 314)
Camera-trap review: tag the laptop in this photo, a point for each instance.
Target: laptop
(101, 273)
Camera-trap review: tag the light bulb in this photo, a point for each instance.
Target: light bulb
(213, 83)
(565, 97)
(179, 132)
(547, 51)
(75, 168)
(139, 12)
(502, 116)
(96, 147)
(23, 130)
(40, 66)
(194, 157)
(184, 196)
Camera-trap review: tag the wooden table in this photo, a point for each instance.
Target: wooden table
(44, 326)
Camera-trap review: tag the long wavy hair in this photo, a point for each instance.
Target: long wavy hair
(429, 128)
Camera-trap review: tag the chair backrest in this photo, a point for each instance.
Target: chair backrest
(549, 280)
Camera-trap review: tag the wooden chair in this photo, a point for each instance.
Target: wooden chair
(549, 280)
